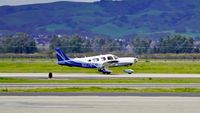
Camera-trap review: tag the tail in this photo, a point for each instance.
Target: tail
(60, 55)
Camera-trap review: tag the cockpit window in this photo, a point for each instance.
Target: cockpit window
(115, 57)
(95, 59)
(103, 58)
(110, 58)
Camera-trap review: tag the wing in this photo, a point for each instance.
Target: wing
(104, 69)
(110, 63)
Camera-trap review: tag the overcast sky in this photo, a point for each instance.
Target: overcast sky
(22, 2)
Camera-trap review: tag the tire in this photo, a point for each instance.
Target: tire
(108, 73)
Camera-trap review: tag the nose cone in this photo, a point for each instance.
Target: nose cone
(134, 60)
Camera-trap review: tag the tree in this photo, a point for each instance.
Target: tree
(74, 44)
(19, 43)
(141, 46)
(176, 44)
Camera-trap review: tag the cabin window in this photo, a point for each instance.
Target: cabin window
(95, 59)
(89, 60)
(110, 58)
(103, 58)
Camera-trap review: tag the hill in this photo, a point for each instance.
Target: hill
(127, 18)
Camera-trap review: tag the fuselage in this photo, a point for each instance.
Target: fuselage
(98, 61)
(102, 62)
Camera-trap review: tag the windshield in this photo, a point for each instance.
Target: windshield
(115, 57)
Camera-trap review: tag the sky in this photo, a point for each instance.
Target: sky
(23, 2)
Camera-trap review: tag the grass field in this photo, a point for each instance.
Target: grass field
(99, 89)
(108, 80)
(26, 65)
(37, 65)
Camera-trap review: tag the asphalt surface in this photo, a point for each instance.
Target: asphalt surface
(95, 104)
(113, 85)
(96, 76)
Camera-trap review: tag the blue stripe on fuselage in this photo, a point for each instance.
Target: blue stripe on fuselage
(76, 64)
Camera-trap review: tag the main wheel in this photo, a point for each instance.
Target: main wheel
(99, 70)
(108, 73)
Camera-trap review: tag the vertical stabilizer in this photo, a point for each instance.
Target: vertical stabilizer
(60, 55)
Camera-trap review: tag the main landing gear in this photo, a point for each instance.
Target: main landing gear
(105, 71)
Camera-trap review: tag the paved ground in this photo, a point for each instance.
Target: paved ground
(95, 76)
(94, 104)
(113, 85)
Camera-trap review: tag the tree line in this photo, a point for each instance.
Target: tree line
(23, 43)
(19, 43)
(170, 44)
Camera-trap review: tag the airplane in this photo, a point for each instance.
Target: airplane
(101, 62)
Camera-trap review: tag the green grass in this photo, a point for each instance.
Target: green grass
(143, 66)
(98, 89)
(108, 80)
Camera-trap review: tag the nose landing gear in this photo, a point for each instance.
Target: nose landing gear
(129, 71)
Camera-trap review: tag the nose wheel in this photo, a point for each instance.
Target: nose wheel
(129, 71)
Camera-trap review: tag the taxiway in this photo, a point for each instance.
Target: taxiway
(94, 104)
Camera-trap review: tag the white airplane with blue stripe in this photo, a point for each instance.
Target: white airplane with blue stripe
(101, 62)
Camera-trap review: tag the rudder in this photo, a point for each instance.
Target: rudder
(60, 55)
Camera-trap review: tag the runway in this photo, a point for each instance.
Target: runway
(96, 76)
(112, 85)
(94, 104)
